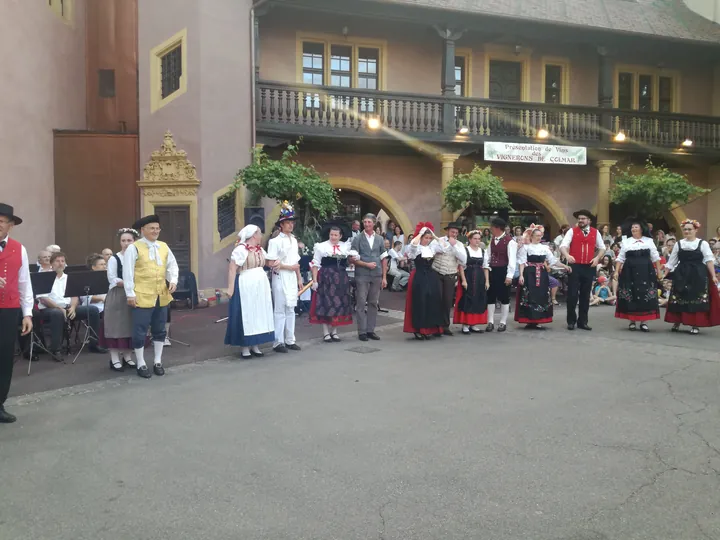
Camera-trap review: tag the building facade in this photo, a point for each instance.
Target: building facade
(156, 104)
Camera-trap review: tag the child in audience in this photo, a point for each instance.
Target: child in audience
(664, 293)
(602, 293)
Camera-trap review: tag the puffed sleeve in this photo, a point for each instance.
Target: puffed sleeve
(706, 251)
(460, 252)
(522, 255)
(273, 250)
(623, 252)
(317, 256)
(239, 255)
(413, 250)
(654, 254)
(672, 262)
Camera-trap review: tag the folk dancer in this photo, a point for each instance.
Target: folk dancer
(286, 280)
(118, 315)
(148, 266)
(534, 305)
(422, 316)
(370, 259)
(579, 249)
(502, 255)
(471, 302)
(637, 296)
(694, 299)
(446, 265)
(250, 314)
(16, 301)
(332, 298)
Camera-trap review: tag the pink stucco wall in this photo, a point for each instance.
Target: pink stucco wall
(43, 89)
(212, 122)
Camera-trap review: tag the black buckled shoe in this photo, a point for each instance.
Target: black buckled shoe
(144, 372)
(293, 347)
(113, 367)
(571, 327)
(159, 370)
(280, 349)
(373, 336)
(490, 327)
(362, 337)
(502, 327)
(584, 327)
(257, 354)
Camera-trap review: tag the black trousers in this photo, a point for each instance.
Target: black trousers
(498, 291)
(9, 321)
(579, 287)
(55, 319)
(447, 294)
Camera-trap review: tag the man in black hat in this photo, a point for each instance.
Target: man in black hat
(148, 267)
(583, 248)
(16, 301)
(446, 266)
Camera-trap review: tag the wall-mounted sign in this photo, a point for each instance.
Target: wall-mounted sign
(536, 153)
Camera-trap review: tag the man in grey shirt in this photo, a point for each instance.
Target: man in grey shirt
(370, 259)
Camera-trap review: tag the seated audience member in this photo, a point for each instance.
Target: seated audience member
(602, 293)
(716, 252)
(397, 258)
(96, 263)
(43, 261)
(664, 293)
(107, 253)
(55, 308)
(53, 248)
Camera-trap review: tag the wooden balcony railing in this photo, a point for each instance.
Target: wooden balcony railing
(306, 109)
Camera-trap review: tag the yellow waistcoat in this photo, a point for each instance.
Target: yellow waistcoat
(150, 281)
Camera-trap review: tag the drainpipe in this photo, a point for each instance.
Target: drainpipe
(253, 64)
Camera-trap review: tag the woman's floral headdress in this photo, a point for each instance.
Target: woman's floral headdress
(128, 230)
(532, 228)
(692, 222)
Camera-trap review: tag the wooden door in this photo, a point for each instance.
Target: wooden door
(175, 225)
(505, 80)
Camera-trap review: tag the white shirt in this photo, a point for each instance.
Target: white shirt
(536, 249)
(599, 243)
(478, 254)
(85, 301)
(635, 244)
(512, 250)
(285, 249)
(57, 294)
(112, 271)
(686, 245)
(400, 239)
(370, 239)
(131, 256)
(327, 249)
(429, 251)
(24, 284)
(395, 257)
(458, 250)
(558, 240)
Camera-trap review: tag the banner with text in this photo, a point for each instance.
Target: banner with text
(536, 153)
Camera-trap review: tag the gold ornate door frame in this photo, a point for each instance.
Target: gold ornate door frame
(170, 179)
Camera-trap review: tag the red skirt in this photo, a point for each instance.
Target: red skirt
(408, 324)
(339, 320)
(637, 317)
(701, 319)
(470, 319)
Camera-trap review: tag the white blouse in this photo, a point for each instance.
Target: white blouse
(478, 254)
(240, 254)
(634, 244)
(686, 245)
(112, 271)
(429, 251)
(536, 249)
(326, 249)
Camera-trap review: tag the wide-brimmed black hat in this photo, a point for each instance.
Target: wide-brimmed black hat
(9, 211)
(140, 223)
(498, 222)
(345, 231)
(584, 212)
(629, 222)
(454, 225)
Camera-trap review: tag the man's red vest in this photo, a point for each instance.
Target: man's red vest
(10, 263)
(499, 251)
(582, 247)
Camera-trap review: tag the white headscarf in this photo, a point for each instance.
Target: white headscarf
(247, 232)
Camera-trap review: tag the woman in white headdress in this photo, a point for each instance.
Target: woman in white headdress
(250, 319)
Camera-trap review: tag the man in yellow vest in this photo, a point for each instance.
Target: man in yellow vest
(148, 266)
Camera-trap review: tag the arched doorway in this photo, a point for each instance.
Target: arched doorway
(358, 195)
(524, 212)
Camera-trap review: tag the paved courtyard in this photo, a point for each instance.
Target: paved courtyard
(523, 436)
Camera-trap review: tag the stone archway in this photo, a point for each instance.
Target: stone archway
(170, 180)
(537, 196)
(377, 194)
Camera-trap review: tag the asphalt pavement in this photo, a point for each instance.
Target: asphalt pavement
(554, 435)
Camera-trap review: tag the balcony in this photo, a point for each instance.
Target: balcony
(282, 109)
